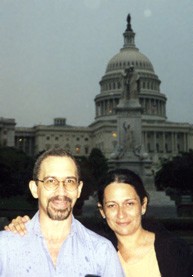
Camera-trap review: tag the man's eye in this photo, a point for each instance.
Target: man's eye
(70, 181)
(50, 181)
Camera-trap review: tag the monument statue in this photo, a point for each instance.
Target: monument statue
(127, 136)
(129, 151)
(139, 152)
(131, 84)
(126, 144)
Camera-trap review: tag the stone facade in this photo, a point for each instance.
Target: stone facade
(7, 132)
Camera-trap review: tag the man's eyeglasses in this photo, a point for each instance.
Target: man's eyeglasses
(51, 183)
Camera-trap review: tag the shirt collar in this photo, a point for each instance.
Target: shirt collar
(34, 225)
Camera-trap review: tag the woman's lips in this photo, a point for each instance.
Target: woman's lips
(123, 223)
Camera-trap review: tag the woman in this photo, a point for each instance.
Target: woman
(122, 201)
(143, 251)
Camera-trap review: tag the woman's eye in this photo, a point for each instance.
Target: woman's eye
(130, 203)
(111, 206)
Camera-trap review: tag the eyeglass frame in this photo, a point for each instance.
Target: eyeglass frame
(58, 182)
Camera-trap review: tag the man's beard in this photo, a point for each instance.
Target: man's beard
(59, 214)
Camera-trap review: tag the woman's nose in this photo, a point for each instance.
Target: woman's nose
(120, 212)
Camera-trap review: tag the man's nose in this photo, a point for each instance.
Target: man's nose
(61, 187)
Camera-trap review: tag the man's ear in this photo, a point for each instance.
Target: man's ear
(101, 210)
(144, 205)
(33, 188)
(80, 188)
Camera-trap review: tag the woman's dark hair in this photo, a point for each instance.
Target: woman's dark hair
(122, 176)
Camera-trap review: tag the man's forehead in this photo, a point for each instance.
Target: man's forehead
(57, 162)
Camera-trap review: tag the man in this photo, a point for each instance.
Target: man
(56, 244)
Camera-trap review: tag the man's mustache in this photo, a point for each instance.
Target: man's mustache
(60, 198)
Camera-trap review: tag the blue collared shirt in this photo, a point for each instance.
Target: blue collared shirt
(83, 252)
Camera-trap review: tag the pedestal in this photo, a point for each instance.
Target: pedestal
(140, 167)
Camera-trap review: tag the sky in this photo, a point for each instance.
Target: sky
(53, 54)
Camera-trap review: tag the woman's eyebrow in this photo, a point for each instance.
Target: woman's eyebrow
(114, 201)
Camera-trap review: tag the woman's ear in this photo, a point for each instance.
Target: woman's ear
(33, 188)
(144, 205)
(101, 210)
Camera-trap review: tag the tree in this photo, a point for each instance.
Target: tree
(91, 170)
(177, 173)
(15, 171)
(88, 181)
(98, 165)
(6, 180)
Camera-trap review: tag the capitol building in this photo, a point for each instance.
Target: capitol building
(161, 138)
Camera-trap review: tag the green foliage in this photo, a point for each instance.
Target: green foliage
(86, 177)
(177, 173)
(92, 169)
(88, 181)
(18, 202)
(98, 164)
(15, 172)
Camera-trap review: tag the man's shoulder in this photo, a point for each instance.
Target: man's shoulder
(8, 237)
(10, 240)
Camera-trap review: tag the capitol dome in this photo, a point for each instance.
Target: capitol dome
(152, 101)
(127, 58)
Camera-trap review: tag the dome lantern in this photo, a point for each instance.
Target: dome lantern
(129, 35)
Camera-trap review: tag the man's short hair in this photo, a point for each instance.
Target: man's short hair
(54, 152)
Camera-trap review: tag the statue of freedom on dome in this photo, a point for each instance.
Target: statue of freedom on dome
(129, 28)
